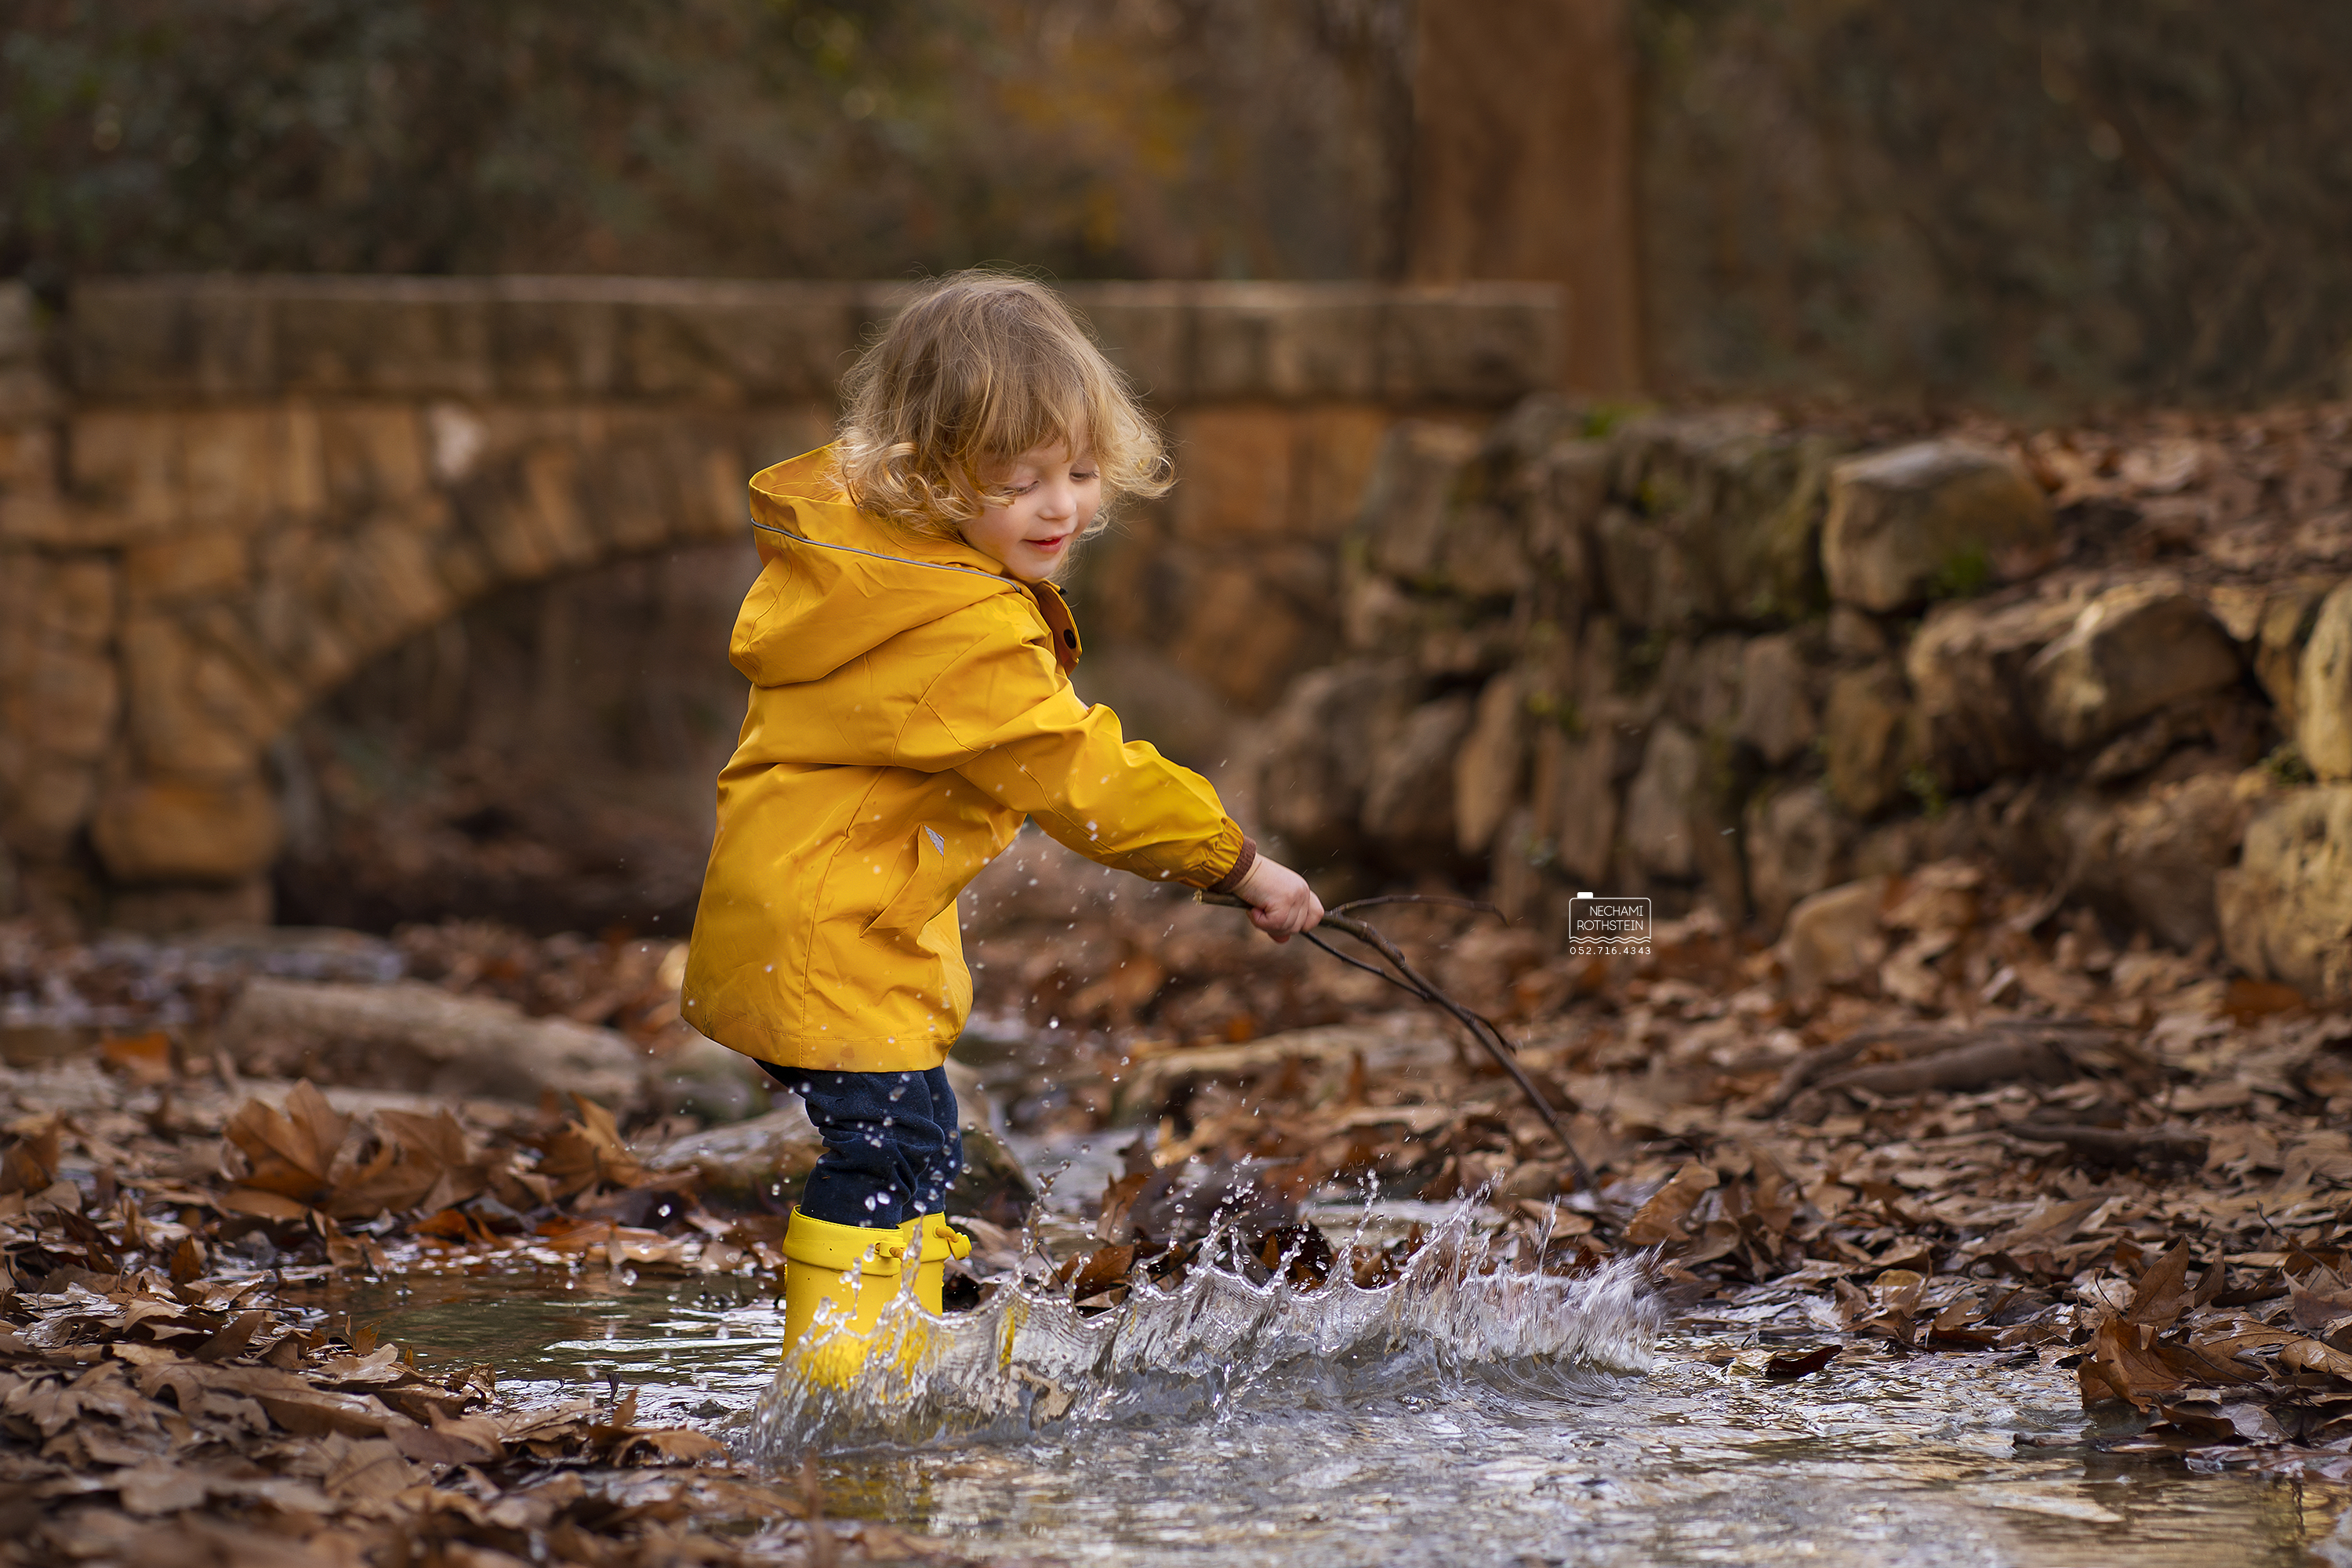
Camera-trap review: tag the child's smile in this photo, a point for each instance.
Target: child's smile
(1054, 494)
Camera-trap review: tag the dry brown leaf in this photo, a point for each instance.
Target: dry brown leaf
(1660, 1220)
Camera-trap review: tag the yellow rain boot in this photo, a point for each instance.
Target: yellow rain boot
(930, 1242)
(855, 1270)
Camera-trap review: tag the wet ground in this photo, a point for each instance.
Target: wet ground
(1231, 1424)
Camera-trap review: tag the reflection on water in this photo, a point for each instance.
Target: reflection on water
(1237, 1426)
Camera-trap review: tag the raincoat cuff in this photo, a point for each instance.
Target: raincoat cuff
(1242, 862)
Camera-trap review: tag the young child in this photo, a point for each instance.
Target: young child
(909, 660)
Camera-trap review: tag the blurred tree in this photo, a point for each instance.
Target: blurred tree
(2027, 200)
(747, 137)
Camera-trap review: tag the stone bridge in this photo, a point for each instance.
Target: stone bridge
(220, 495)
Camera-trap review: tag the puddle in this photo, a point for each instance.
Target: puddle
(1397, 1458)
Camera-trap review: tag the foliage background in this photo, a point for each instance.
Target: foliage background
(2027, 204)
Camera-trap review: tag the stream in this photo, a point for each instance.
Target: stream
(1455, 1417)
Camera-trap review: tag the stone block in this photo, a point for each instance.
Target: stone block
(1972, 713)
(555, 337)
(2150, 861)
(1485, 343)
(185, 567)
(1934, 518)
(1732, 504)
(1287, 342)
(77, 601)
(1575, 799)
(1242, 636)
(167, 337)
(1237, 474)
(1492, 764)
(1644, 577)
(2286, 910)
(123, 465)
(526, 513)
(1798, 843)
(396, 337)
(371, 455)
(1776, 715)
(387, 587)
(1319, 747)
(1564, 511)
(71, 700)
(45, 804)
(1665, 807)
(160, 828)
(1339, 445)
(1410, 497)
(243, 467)
(171, 910)
(736, 342)
(1409, 796)
(169, 728)
(1863, 733)
(2132, 650)
(1146, 330)
(2323, 695)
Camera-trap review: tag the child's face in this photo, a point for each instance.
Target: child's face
(1055, 493)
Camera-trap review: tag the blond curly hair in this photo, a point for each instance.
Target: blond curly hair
(979, 368)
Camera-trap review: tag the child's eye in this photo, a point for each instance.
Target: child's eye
(1082, 475)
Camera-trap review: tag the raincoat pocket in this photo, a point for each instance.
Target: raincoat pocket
(934, 876)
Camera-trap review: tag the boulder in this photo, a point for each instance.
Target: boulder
(423, 1040)
(1575, 799)
(1642, 571)
(1733, 505)
(2323, 717)
(1664, 807)
(1863, 736)
(1320, 749)
(1491, 763)
(2280, 634)
(1971, 716)
(2150, 861)
(1408, 798)
(186, 829)
(1933, 520)
(1408, 499)
(1777, 716)
(2286, 908)
(1798, 843)
(2132, 650)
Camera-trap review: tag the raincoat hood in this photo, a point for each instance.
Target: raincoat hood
(850, 583)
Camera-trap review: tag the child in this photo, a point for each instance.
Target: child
(909, 661)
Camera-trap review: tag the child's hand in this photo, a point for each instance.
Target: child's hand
(1281, 903)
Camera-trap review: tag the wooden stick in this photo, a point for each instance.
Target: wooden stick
(1482, 1029)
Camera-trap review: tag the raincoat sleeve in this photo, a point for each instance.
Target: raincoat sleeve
(1004, 717)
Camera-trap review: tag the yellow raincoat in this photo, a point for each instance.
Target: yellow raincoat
(911, 705)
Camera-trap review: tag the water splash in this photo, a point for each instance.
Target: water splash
(1215, 1344)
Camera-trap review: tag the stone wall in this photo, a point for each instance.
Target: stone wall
(1728, 658)
(218, 497)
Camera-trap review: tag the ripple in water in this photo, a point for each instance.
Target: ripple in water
(1214, 1344)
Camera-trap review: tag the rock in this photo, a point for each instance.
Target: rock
(703, 1078)
(1493, 759)
(1408, 798)
(1642, 571)
(1797, 845)
(1970, 715)
(1937, 519)
(2280, 638)
(1834, 938)
(186, 830)
(423, 1040)
(758, 1164)
(1410, 495)
(1731, 504)
(2323, 720)
(2150, 862)
(1663, 809)
(2286, 908)
(1575, 799)
(1776, 706)
(1320, 749)
(2131, 651)
(1864, 735)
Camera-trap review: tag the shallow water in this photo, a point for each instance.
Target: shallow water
(1522, 1420)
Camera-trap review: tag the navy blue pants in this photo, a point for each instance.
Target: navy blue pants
(891, 1147)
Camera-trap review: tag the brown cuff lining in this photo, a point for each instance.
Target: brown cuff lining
(1242, 864)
